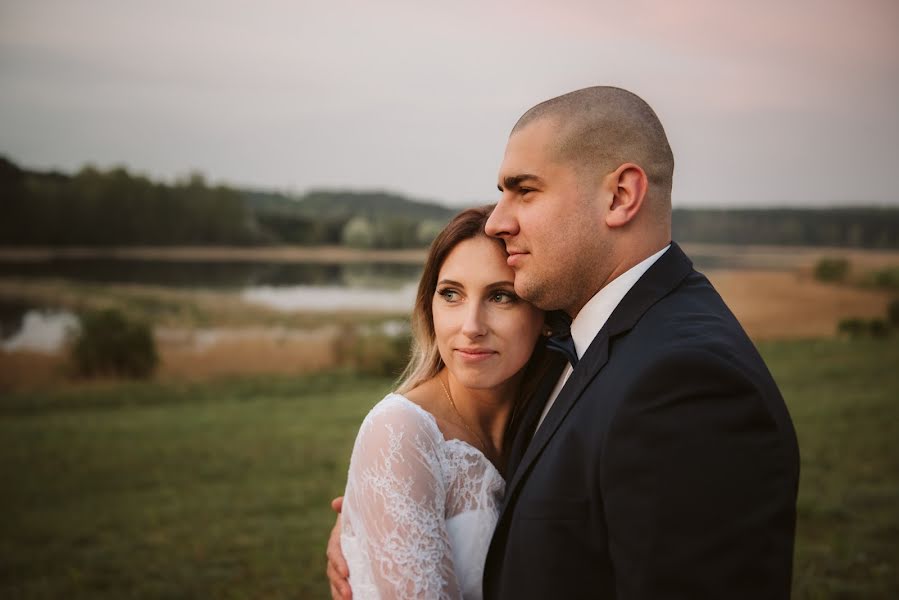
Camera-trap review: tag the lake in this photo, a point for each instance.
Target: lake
(283, 285)
(385, 287)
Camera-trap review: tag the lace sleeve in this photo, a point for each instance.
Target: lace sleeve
(394, 506)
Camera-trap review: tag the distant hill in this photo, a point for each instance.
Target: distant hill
(343, 205)
(380, 219)
(115, 207)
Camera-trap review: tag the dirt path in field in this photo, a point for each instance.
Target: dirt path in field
(789, 305)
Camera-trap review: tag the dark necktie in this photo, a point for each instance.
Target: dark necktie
(560, 340)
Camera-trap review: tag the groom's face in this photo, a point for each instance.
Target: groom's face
(549, 218)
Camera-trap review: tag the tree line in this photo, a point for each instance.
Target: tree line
(115, 207)
(865, 227)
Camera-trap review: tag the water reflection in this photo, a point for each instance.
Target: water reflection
(39, 330)
(324, 298)
(216, 275)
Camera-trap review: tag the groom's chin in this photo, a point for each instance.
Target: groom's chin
(526, 290)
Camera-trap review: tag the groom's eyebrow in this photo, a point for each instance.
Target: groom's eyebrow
(513, 182)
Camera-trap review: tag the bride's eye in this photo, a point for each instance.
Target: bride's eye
(448, 294)
(503, 297)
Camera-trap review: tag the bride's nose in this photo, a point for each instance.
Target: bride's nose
(475, 323)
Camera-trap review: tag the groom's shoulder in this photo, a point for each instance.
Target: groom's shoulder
(692, 320)
(689, 342)
(693, 307)
(671, 299)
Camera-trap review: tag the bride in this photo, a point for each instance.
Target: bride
(426, 474)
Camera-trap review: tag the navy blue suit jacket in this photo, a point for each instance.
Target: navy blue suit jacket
(667, 467)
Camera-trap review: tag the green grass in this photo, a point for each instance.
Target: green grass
(844, 399)
(221, 490)
(150, 491)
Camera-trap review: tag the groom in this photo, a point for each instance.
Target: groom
(661, 462)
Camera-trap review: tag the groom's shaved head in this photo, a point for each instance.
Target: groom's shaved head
(601, 128)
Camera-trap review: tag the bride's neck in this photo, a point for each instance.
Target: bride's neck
(486, 410)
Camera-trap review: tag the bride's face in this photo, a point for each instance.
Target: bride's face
(485, 333)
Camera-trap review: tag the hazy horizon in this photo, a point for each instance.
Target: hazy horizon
(765, 104)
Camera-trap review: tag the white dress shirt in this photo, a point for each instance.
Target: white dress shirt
(595, 313)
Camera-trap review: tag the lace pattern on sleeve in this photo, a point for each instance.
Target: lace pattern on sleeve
(394, 514)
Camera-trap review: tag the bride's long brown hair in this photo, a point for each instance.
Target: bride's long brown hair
(425, 361)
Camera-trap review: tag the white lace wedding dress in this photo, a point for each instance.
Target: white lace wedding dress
(419, 510)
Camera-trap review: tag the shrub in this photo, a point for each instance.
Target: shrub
(852, 327)
(893, 312)
(878, 328)
(372, 352)
(109, 343)
(382, 355)
(831, 269)
(885, 278)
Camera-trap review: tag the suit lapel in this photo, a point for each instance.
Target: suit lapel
(658, 281)
(532, 414)
(587, 368)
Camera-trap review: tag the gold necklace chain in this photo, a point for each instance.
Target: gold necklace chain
(449, 397)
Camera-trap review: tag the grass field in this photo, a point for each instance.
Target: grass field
(221, 490)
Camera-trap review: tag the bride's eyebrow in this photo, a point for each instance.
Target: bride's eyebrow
(501, 284)
(450, 282)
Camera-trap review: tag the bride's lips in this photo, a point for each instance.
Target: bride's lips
(474, 355)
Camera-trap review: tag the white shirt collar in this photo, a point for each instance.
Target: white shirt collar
(596, 312)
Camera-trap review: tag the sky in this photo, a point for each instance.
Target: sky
(765, 103)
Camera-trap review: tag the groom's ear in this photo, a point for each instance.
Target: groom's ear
(628, 184)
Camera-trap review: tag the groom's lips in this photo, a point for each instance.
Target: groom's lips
(515, 257)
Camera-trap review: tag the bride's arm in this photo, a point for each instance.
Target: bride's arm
(395, 506)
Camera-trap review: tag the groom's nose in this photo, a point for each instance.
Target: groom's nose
(502, 222)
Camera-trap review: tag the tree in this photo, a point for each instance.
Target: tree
(358, 233)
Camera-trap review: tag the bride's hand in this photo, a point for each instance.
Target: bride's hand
(338, 572)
